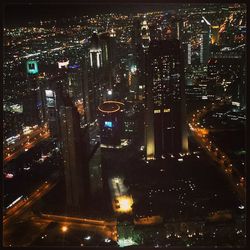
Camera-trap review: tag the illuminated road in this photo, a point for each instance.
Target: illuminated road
(105, 228)
(25, 143)
(24, 204)
(202, 137)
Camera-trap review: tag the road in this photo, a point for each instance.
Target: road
(105, 228)
(25, 143)
(202, 137)
(24, 204)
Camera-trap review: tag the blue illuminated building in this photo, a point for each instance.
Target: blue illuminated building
(111, 123)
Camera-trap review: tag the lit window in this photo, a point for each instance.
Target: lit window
(157, 111)
(166, 110)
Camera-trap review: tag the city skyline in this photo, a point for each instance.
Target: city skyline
(125, 127)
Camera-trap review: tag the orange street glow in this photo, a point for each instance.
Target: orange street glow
(125, 204)
(64, 229)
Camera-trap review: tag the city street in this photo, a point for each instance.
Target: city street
(25, 143)
(25, 203)
(202, 137)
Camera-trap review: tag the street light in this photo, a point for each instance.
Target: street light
(125, 203)
(64, 229)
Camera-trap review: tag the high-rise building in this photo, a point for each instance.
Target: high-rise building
(136, 37)
(142, 54)
(165, 124)
(145, 36)
(32, 107)
(75, 90)
(112, 48)
(96, 83)
(51, 112)
(75, 149)
(187, 49)
(111, 123)
(95, 52)
(205, 42)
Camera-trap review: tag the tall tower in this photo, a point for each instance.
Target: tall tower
(165, 104)
(75, 82)
(51, 112)
(95, 74)
(95, 51)
(74, 153)
(143, 53)
(205, 41)
(111, 122)
(145, 35)
(32, 105)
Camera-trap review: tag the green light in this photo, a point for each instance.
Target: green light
(133, 68)
(126, 242)
(32, 67)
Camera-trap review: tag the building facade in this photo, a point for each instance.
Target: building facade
(165, 124)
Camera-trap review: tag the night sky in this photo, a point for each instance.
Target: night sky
(22, 14)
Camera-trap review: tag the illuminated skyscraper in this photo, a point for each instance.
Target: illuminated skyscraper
(165, 105)
(95, 76)
(75, 88)
(187, 53)
(32, 105)
(74, 153)
(51, 111)
(205, 41)
(112, 49)
(111, 122)
(142, 57)
(95, 52)
(145, 36)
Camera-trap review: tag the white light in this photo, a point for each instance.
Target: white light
(241, 207)
(126, 242)
(98, 59)
(180, 159)
(109, 92)
(63, 64)
(87, 238)
(91, 60)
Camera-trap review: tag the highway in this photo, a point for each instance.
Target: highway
(107, 229)
(25, 143)
(202, 137)
(24, 204)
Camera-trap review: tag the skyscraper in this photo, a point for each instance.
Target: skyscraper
(205, 42)
(165, 111)
(95, 51)
(75, 157)
(145, 37)
(142, 52)
(32, 106)
(95, 74)
(111, 122)
(51, 111)
(75, 82)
